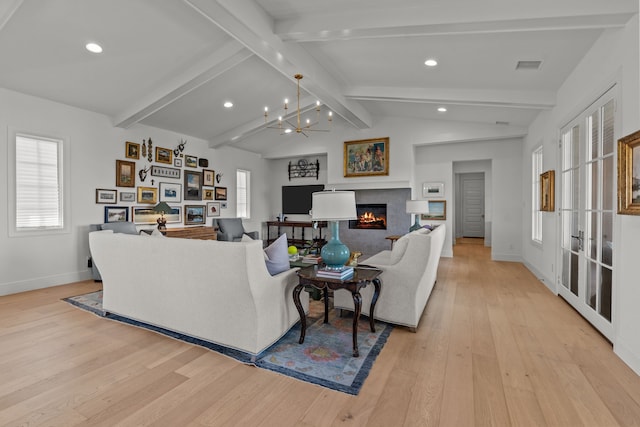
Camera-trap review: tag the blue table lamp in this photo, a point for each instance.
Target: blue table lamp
(417, 207)
(334, 206)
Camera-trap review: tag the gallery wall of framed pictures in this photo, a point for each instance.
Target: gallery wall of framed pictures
(152, 172)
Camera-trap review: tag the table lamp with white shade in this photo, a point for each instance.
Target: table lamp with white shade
(334, 206)
(417, 207)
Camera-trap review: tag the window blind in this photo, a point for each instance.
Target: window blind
(38, 183)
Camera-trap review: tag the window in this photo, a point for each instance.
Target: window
(536, 214)
(243, 178)
(37, 179)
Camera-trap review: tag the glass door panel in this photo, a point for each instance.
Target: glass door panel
(587, 214)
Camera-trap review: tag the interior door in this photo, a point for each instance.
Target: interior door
(472, 205)
(587, 213)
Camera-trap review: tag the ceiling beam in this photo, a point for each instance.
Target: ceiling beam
(455, 28)
(228, 56)
(248, 23)
(541, 100)
(7, 10)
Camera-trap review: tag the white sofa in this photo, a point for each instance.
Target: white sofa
(217, 291)
(408, 276)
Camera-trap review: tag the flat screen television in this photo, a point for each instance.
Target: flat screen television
(296, 199)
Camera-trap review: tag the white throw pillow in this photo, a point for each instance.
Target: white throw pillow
(277, 257)
(246, 238)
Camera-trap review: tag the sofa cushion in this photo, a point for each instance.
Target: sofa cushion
(277, 257)
(120, 227)
(399, 248)
(246, 238)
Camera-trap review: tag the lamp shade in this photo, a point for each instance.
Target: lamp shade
(162, 207)
(333, 206)
(417, 206)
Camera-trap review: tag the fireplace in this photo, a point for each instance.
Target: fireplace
(370, 217)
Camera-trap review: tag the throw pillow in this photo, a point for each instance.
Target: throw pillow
(246, 238)
(277, 257)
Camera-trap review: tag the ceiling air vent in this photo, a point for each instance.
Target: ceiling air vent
(528, 65)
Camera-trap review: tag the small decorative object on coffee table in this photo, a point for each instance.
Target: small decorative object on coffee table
(353, 282)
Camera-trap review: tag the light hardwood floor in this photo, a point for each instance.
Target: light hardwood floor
(494, 347)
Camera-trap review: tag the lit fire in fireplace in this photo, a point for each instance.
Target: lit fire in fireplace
(372, 216)
(370, 220)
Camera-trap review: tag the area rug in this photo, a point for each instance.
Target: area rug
(325, 357)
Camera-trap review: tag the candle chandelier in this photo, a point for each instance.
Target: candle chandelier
(286, 127)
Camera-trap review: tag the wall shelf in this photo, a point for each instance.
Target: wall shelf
(304, 169)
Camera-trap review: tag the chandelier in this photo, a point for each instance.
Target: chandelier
(286, 127)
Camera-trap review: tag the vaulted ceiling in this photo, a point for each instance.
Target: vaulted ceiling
(173, 63)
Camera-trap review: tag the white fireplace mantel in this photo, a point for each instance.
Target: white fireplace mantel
(367, 185)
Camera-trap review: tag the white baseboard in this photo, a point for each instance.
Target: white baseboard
(545, 280)
(627, 356)
(43, 282)
(506, 257)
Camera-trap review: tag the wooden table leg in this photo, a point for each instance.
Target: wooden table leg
(303, 318)
(357, 307)
(326, 304)
(374, 300)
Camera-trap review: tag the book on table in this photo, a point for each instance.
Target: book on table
(343, 273)
(311, 259)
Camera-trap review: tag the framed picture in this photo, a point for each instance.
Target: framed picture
(116, 214)
(194, 215)
(547, 191)
(629, 174)
(106, 196)
(191, 161)
(177, 162)
(192, 185)
(366, 157)
(132, 150)
(220, 193)
(164, 155)
(148, 195)
(144, 215)
(125, 173)
(213, 209)
(207, 194)
(208, 177)
(165, 172)
(127, 196)
(433, 189)
(174, 216)
(170, 192)
(437, 211)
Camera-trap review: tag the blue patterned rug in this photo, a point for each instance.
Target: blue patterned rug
(324, 358)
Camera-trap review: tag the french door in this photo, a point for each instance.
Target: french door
(587, 203)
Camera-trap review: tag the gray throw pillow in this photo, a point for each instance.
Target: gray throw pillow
(121, 227)
(277, 257)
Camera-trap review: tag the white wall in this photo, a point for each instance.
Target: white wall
(614, 59)
(34, 262)
(435, 163)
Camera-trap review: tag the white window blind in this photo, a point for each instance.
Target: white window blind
(536, 214)
(38, 182)
(242, 193)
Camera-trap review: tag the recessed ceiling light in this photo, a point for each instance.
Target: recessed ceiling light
(228, 104)
(442, 109)
(93, 47)
(430, 62)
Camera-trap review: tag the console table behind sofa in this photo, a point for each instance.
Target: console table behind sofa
(299, 241)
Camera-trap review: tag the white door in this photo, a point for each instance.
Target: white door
(472, 205)
(587, 184)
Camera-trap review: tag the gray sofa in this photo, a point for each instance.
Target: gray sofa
(232, 230)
